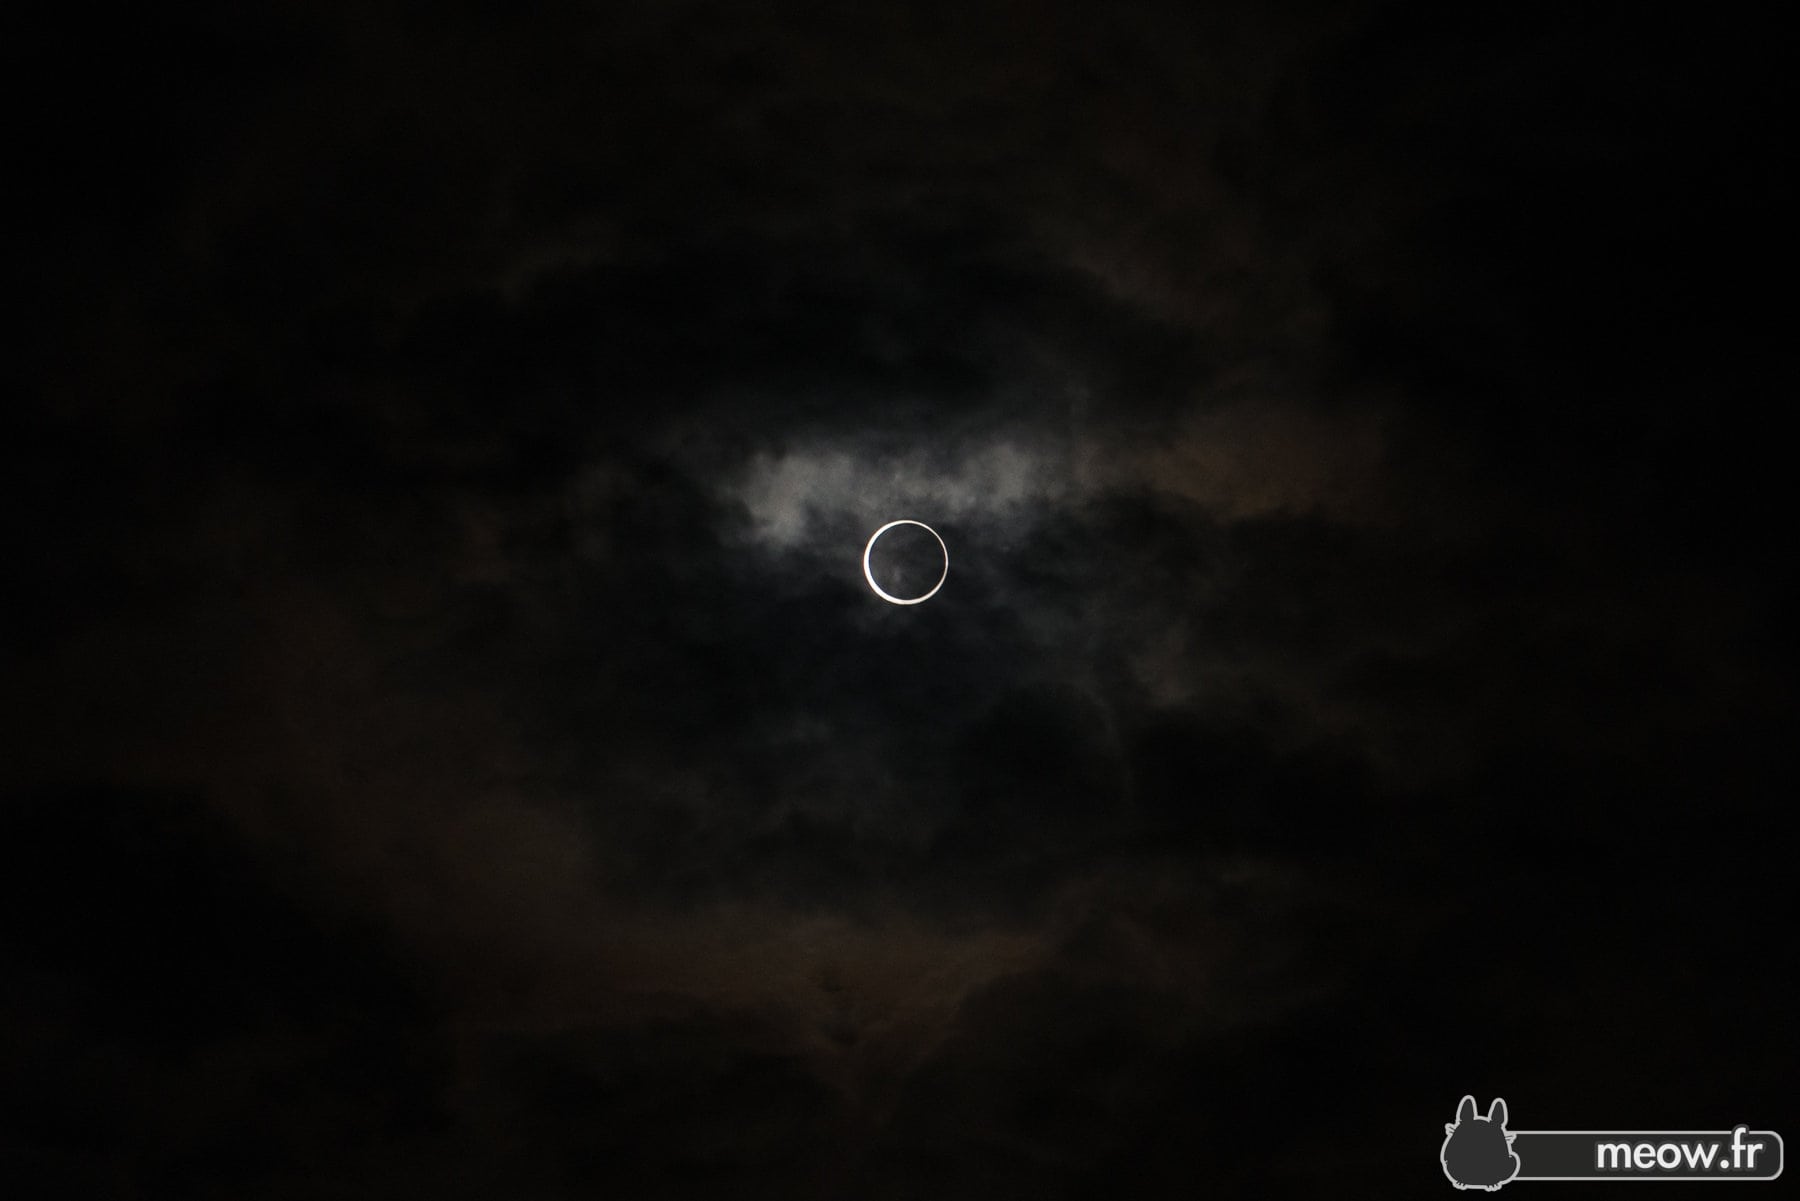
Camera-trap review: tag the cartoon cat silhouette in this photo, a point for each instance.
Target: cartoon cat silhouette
(1478, 1151)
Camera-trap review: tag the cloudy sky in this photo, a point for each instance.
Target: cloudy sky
(450, 748)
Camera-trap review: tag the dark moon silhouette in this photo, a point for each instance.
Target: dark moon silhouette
(907, 561)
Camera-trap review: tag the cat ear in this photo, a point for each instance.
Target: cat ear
(1466, 1111)
(1497, 1111)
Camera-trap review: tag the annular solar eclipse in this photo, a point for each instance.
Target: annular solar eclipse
(869, 575)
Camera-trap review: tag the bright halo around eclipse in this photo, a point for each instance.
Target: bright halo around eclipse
(870, 576)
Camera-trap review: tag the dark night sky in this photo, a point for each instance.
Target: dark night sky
(449, 749)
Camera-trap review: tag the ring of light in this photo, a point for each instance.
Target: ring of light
(870, 576)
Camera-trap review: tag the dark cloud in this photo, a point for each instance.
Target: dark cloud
(450, 746)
